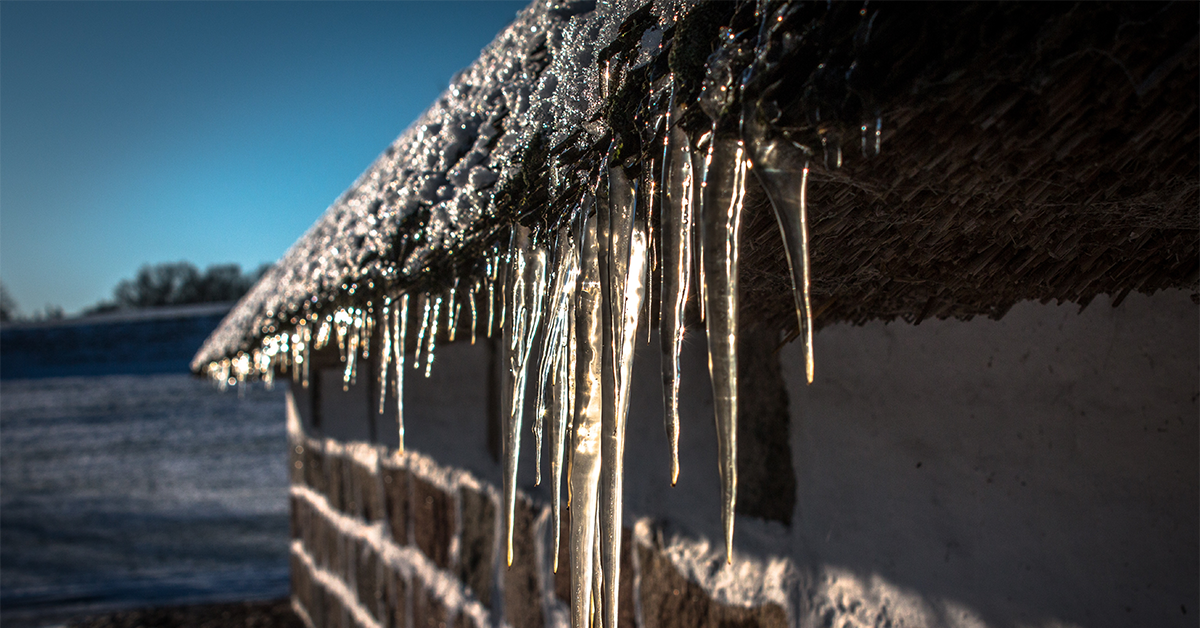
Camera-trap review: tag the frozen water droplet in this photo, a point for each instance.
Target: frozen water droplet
(701, 162)
(677, 236)
(431, 348)
(424, 329)
(775, 161)
(558, 365)
(623, 259)
(385, 354)
(452, 312)
(474, 313)
(586, 457)
(720, 226)
(400, 325)
(528, 277)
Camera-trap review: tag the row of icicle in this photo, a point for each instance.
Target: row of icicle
(579, 295)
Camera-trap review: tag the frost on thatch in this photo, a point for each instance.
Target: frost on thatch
(1041, 151)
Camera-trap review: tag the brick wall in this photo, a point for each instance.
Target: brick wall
(382, 539)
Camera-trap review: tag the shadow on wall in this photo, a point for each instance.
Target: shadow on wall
(1038, 469)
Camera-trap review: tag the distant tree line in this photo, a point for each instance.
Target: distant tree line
(8, 306)
(172, 283)
(179, 283)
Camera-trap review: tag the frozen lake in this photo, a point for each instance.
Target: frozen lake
(123, 491)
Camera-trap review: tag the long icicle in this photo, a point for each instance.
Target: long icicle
(584, 480)
(452, 312)
(550, 350)
(431, 348)
(702, 157)
(774, 160)
(474, 308)
(528, 272)
(563, 392)
(421, 331)
(385, 354)
(721, 224)
(676, 275)
(625, 290)
(400, 325)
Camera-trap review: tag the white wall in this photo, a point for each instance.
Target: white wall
(1041, 470)
(1035, 469)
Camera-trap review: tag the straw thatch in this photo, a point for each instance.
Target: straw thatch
(1028, 151)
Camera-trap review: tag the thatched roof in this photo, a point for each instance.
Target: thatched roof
(1027, 151)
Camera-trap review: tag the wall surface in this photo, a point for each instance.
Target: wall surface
(1040, 470)
(1037, 470)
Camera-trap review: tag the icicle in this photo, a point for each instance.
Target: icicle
(433, 332)
(452, 312)
(298, 348)
(385, 353)
(491, 289)
(306, 355)
(701, 161)
(341, 322)
(584, 480)
(554, 341)
(400, 326)
(348, 339)
(676, 276)
(528, 273)
(775, 160)
(560, 354)
(422, 330)
(323, 333)
(368, 330)
(474, 314)
(623, 280)
(504, 270)
(720, 226)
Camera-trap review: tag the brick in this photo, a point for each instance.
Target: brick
(395, 493)
(314, 470)
(316, 608)
(433, 521)
(669, 600)
(395, 600)
(299, 580)
(476, 564)
(626, 612)
(366, 499)
(293, 517)
(370, 591)
(522, 590)
(317, 549)
(335, 488)
(428, 610)
(296, 462)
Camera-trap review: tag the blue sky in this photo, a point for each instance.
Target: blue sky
(213, 132)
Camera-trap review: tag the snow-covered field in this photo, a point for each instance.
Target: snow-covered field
(138, 490)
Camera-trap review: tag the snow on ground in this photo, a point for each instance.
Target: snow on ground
(124, 491)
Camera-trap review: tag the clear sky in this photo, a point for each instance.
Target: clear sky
(213, 132)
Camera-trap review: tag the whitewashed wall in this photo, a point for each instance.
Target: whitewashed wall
(1041, 470)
